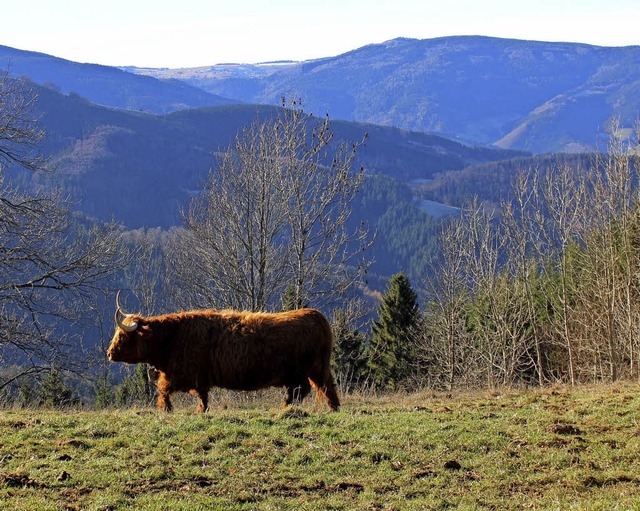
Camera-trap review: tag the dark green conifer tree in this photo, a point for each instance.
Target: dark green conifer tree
(391, 356)
(290, 299)
(103, 390)
(27, 395)
(54, 392)
(348, 352)
(136, 388)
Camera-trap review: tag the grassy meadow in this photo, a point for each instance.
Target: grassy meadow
(558, 448)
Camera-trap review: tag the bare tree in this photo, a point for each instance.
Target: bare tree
(560, 200)
(320, 185)
(49, 264)
(551, 290)
(146, 267)
(521, 221)
(610, 257)
(479, 313)
(447, 295)
(20, 133)
(273, 216)
(232, 253)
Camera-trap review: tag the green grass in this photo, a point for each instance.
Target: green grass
(547, 449)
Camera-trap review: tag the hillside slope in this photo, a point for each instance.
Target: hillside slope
(141, 168)
(536, 96)
(106, 85)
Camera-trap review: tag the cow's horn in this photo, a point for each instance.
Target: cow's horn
(119, 322)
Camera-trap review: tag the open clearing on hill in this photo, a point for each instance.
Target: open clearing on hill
(555, 448)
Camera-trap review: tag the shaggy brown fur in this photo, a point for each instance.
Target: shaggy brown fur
(194, 351)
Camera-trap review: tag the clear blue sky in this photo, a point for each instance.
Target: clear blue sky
(189, 33)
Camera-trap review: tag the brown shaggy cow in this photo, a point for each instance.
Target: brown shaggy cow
(194, 351)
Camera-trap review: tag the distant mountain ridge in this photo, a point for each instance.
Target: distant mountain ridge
(105, 85)
(529, 95)
(536, 96)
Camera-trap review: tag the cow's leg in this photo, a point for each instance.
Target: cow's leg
(296, 393)
(164, 402)
(164, 393)
(203, 399)
(289, 398)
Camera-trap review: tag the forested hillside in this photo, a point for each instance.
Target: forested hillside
(493, 182)
(141, 169)
(105, 85)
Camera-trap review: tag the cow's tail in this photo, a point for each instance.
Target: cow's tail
(330, 392)
(322, 381)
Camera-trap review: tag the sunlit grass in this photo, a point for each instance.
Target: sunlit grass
(555, 448)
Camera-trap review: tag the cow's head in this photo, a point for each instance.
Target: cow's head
(129, 343)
